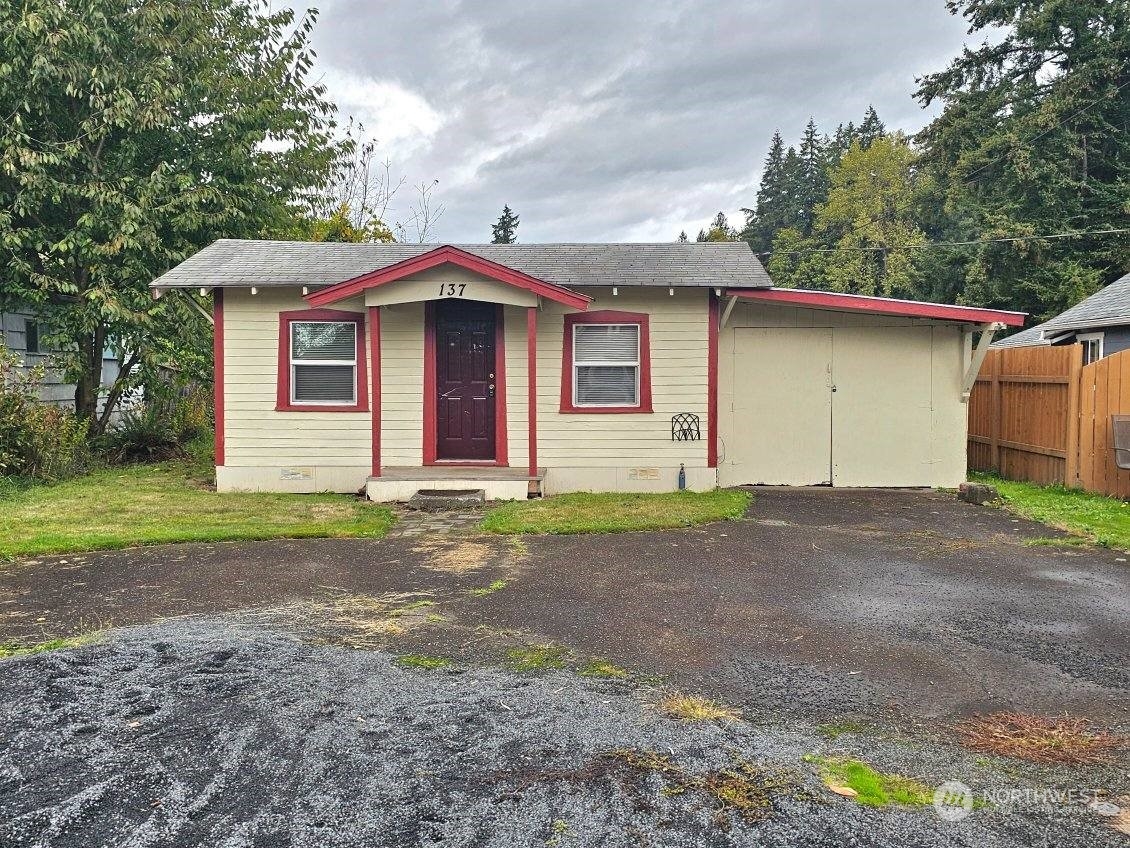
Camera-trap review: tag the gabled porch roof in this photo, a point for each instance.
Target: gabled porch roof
(448, 255)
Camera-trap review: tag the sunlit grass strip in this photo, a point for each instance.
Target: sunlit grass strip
(616, 512)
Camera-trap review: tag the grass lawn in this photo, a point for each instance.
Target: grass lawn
(1103, 520)
(168, 502)
(615, 512)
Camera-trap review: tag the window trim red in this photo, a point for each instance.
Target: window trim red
(605, 316)
(282, 396)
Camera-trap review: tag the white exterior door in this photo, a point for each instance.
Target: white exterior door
(779, 390)
(881, 416)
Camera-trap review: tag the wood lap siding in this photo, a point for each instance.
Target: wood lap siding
(402, 384)
(256, 434)
(678, 379)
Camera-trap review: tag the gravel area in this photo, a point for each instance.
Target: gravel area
(210, 731)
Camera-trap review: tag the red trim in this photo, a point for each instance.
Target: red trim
(500, 446)
(882, 305)
(501, 450)
(282, 396)
(713, 315)
(447, 254)
(532, 385)
(605, 316)
(375, 358)
(429, 453)
(218, 370)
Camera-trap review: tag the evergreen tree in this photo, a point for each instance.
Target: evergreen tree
(1033, 139)
(720, 230)
(767, 217)
(682, 239)
(871, 128)
(505, 231)
(812, 188)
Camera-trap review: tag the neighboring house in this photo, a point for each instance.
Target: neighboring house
(547, 368)
(23, 334)
(1101, 324)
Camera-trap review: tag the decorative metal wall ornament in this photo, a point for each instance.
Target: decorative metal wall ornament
(684, 427)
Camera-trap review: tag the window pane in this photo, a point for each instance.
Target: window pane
(323, 383)
(323, 340)
(606, 343)
(606, 385)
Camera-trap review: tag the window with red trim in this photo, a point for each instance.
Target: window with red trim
(606, 362)
(322, 362)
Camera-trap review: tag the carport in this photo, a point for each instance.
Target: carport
(818, 388)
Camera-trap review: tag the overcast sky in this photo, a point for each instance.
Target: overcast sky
(615, 121)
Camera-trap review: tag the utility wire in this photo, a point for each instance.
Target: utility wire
(930, 245)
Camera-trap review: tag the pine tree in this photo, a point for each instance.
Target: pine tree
(765, 219)
(682, 239)
(871, 128)
(506, 230)
(1033, 139)
(812, 189)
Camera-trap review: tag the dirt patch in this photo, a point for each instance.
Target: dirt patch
(1039, 739)
(354, 620)
(457, 557)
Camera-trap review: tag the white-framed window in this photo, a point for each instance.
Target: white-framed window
(1092, 346)
(323, 363)
(606, 365)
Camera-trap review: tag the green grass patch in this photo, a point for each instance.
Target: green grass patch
(495, 586)
(169, 502)
(833, 730)
(13, 649)
(872, 788)
(536, 657)
(615, 512)
(1097, 518)
(603, 668)
(422, 661)
(414, 606)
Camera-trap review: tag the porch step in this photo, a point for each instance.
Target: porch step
(447, 500)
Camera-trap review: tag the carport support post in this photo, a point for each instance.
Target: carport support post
(532, 383)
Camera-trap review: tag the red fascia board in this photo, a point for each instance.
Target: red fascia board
(455, 256)
(881, 306)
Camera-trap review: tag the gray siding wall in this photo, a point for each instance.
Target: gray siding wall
(1115, 339)
(53, 389)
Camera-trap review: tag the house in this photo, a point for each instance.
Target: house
(23, 333)
(547, 368)
(1101, 324)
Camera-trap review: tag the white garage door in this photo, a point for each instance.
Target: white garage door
(848, 406)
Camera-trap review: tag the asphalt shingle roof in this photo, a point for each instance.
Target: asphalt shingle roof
(235, 262)
(1104, 308)
(1025, 338)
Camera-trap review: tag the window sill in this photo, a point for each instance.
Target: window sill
(568, 409)
(302, 407)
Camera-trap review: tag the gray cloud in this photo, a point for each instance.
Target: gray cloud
(616, 121)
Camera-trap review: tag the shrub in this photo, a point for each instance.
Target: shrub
(161, 427)
(37, 440)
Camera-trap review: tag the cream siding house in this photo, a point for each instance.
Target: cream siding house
(538, 369)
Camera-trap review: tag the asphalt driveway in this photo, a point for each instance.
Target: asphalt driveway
(248, 695)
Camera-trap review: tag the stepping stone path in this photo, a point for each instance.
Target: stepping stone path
(412, 522)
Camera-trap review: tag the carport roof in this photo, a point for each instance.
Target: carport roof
(883, 306)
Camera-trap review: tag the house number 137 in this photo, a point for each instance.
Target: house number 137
(451, 289)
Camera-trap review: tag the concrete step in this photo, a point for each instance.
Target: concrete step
(447, 500)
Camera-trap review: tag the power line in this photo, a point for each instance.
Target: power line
(930, 245)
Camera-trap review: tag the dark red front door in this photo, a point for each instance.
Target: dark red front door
(465, 380)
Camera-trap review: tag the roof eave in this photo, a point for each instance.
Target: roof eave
(448, 254)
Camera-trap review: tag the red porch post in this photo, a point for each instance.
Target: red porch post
(532, 382)
(375, 384)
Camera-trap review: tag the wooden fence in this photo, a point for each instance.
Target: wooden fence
(1039, 414)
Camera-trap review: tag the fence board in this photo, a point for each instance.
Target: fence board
(1038, 414)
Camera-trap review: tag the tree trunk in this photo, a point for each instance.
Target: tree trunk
(90, 379)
